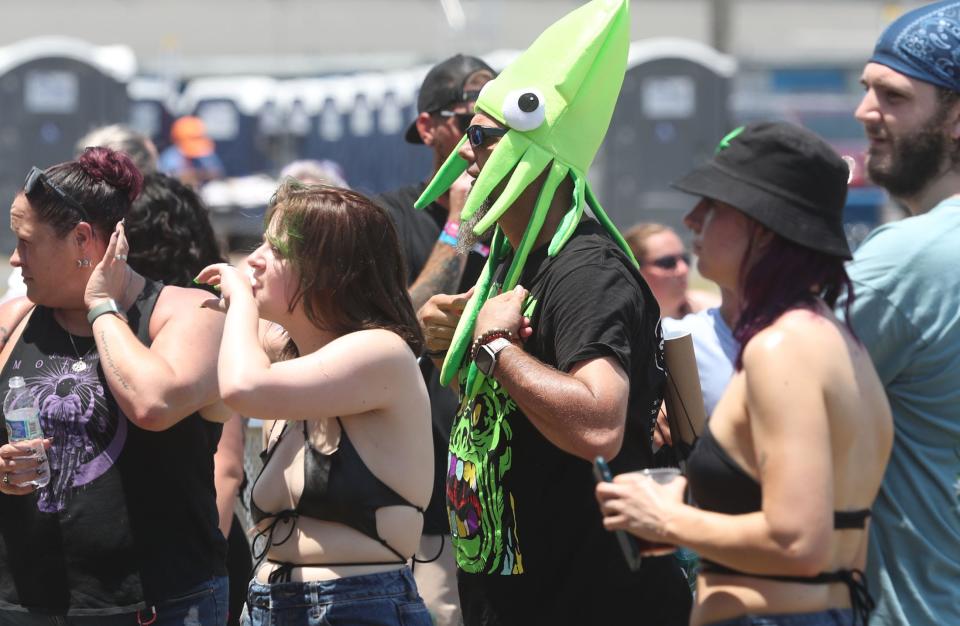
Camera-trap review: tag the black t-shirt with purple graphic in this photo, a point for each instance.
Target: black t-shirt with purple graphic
(129, 516)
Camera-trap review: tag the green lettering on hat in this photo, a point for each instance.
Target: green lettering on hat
(725, 142)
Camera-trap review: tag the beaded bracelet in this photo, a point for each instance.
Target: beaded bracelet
(487, 337)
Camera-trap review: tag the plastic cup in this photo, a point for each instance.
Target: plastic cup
(661, 475)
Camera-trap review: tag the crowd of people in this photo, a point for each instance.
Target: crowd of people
(445, 372)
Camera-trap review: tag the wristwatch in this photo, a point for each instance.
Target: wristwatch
(486, 358)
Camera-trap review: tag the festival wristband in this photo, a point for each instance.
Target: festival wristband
(452, 228)
(448, 239)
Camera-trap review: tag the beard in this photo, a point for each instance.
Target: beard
(914, 160)
(466, 239)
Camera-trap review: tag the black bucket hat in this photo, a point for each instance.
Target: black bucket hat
(784, 177)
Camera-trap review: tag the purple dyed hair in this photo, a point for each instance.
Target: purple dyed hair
(785, 276)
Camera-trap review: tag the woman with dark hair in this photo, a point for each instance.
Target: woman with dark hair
(791, 460)
(171, 240)
(169, 231)
(123, 373)
(348, 469)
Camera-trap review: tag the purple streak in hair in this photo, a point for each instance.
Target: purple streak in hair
(783, 277)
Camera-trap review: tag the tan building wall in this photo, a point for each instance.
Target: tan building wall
(302, 36)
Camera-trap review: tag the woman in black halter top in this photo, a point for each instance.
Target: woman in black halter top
(348, 469)
(790, 462)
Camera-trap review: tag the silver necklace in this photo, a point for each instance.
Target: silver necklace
(79, 365)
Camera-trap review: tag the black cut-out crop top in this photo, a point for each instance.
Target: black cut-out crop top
(337, 487)
(718, 483)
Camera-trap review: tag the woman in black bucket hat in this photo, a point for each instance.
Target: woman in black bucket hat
(791, 460)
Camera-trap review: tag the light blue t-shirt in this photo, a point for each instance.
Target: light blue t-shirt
(715, 348)
(906, 311)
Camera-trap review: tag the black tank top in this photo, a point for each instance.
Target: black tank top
(337, 487)
(718, 483)
(129, 517)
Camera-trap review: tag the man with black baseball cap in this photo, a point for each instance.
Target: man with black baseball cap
(429, 242)
(907, 312)
(429, 238)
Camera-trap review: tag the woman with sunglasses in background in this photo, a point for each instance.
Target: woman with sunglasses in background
(122, 371)
(348, 470)
(665, 264)
(789, 463)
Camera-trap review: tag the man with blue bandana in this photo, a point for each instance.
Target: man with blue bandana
(907, 313)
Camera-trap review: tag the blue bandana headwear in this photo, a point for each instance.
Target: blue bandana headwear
(924, 44)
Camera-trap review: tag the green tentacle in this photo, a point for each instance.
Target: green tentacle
(507, 154)
(530, 166)
(571, 219)
(448, 172)
(557, 173)
(463, 335)
(602, 217)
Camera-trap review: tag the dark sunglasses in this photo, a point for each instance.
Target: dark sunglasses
(36, 175)
(670, 261)
(477, 135)
(462, 120)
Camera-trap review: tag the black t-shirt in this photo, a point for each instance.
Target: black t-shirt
(418, 232)
(129, 517)
(529, 540)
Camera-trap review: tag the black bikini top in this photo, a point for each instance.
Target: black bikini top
(337, 487)
(718, 483)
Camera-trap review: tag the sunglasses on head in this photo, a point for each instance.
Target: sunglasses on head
(462, 120)
(670, 261)
(36, 175)
(477, 135)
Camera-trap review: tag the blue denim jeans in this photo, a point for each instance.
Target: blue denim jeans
(203, 605)
(830, 617)
(386, 599)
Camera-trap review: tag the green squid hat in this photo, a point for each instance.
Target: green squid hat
(556, 99)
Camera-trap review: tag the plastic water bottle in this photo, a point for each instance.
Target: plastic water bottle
(21, 412)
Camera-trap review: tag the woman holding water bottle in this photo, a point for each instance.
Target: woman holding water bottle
(786, 469)
(120, 372)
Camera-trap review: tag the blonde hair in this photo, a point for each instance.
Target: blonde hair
(638, 234)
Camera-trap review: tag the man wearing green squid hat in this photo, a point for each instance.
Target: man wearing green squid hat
(556, 351)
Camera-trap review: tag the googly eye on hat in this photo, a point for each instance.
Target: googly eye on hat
(524, 109)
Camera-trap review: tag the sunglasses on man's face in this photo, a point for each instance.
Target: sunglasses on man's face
(462, 120)
(36, 176)
(670, 261)
(477, 135)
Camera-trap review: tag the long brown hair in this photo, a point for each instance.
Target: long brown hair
(345, 250)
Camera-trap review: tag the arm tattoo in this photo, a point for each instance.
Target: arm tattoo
(4, 335)
(110, 363)
(441, 274)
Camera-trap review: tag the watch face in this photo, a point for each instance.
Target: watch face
(486, 360)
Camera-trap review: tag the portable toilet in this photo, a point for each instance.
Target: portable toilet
(672, 111)
(233, 110)
(153, 102)
(53, 90)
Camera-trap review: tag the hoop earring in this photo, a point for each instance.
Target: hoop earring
(83, 262)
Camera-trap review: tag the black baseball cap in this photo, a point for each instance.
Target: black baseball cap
(456, 80)
(785, 177)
